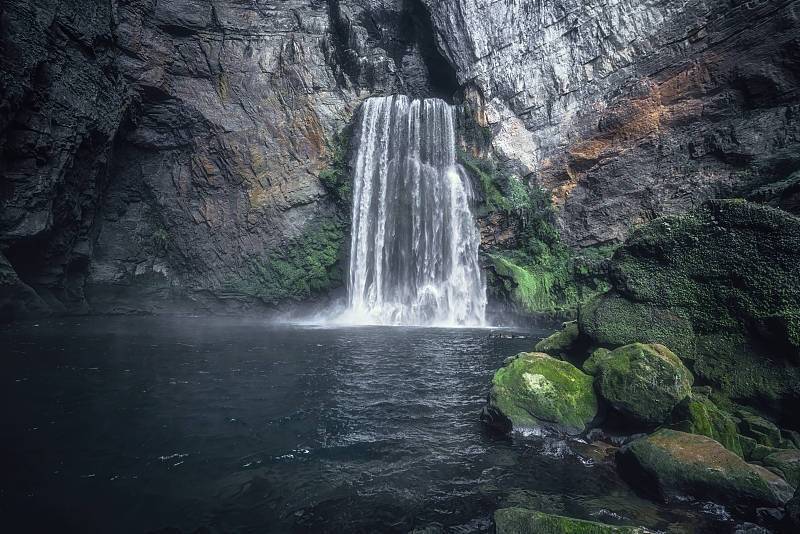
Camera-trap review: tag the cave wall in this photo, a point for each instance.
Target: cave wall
(153, 150)
(627, 109)
(157, 150)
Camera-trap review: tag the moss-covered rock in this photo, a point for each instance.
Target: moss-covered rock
(591, 365)
(524, 521)
(610, 320)
(672, 465)
(644, 382)
(720, 287)
(763, 431)
(697, 414)
(786, 464)
(538, 391)
(560, 343)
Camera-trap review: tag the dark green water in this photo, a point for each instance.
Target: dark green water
(142, 424)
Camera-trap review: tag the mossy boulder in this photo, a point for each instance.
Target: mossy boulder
(697, 414)
(538, 391)
(720, 287)
(763, 431)
(560, 343)
(524, 521)
(672, 465)
(786, 464)
(643, 382)
(591, 366)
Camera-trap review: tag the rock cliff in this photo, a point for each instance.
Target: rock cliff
(627, 109)
(164, 154)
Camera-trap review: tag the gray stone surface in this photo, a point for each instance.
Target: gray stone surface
(629, 109)
(153, 149)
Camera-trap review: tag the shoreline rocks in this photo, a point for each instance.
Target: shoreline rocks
(672, 465)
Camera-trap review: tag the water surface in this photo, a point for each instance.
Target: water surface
(142, 424)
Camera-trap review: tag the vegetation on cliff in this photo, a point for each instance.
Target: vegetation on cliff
(541, 273)
(306, 265)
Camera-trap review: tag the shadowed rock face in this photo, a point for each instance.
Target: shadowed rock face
(629, 110)
(154, 151)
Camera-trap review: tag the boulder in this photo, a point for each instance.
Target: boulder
(524, 521)
(535, 390)
(560, 343)
(786, 464)
(763, 431)
(592, 364)
(643, 382)
(697, 414)
(672, 465)
(707, 285)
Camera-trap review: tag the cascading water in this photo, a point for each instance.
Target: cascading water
(414, 245)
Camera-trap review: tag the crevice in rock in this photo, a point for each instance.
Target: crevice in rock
(389, 49)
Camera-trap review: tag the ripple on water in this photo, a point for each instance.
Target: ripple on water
(242, 426)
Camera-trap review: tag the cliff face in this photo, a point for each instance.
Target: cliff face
(160, 153)
(629, 109)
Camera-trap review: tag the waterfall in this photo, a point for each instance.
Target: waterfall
(414, 245)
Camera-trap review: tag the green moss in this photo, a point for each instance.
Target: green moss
(699, 415)
(679, 464)
(308, 264)
(336, 179)
(542, 274)
(786, 464)
(644, 382)
(524, 521)
(592, 364)
(560, 343)
(536, 390)
(763, 431)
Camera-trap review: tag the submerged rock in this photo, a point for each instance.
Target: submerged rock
(673, 465)
(644, 382)
(535, 390)
(560, 343)
(523, 521)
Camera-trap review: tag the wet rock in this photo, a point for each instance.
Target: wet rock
(643, 382)
(697, 414)
(537, 392)
(560, 343)
(591, 365)
(786, 464)
(524, 521)
(696, 284)
(793, 509)
(628, 110)
(672, 465)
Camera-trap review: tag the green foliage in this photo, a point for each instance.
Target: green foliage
(309, 264)
(336, 179)
(160, 239)
(543, 275)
